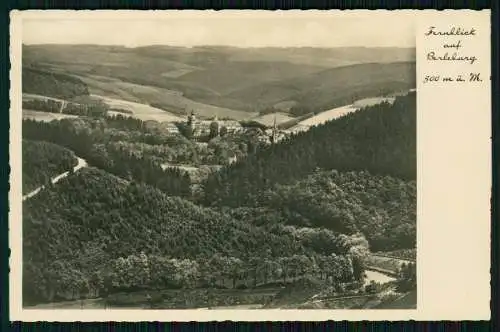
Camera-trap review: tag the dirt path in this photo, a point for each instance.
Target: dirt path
(81, 163)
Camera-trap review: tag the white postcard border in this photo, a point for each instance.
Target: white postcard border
(454, 186)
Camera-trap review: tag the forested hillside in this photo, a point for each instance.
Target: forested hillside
(94, 232)
(42, 161)
(51, 84)
(381, 207)
(354, 174)
(380, 139)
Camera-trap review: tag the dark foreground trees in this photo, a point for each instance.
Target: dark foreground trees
(122, 235)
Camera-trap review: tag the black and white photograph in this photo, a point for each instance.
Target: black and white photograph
(251, 161)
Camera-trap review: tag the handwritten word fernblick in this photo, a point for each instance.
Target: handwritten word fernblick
(454, 31)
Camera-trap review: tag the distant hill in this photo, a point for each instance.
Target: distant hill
(333, 87)
(312, 56)
(234, 79)
(51, 84)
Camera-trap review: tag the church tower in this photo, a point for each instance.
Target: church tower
(274, 135)
(191, 120)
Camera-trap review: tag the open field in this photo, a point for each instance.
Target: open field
(328, 115)
(338, 112)
(322, 118)
(268, 119)
(45, 116)
(140, 111)
(172, 101)
(31, 96)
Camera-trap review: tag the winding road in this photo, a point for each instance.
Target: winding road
(81, 163)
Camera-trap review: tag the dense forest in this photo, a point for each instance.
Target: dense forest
(371, 190)
(93, 109)
(410, 254)
(314, 204)
(52, 84)
(48, 105)
(381, 207)
(380, 139)
(42, 161)
(117, 234)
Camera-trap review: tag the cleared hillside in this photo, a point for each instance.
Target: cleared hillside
(234, 79)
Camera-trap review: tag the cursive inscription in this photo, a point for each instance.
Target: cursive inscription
(432, 56)
(453, 31)
(453, 42)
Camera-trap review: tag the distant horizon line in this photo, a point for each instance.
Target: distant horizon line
(216, 46)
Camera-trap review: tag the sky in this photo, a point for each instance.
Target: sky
(247, 28)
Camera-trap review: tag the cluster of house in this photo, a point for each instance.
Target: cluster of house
(202, 129)
(169, 128)
(214, 127)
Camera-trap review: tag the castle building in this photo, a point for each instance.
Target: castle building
(202, 128)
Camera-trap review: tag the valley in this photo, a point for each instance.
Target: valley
(225, 81)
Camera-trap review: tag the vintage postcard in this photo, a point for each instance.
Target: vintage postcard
(250, 165)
